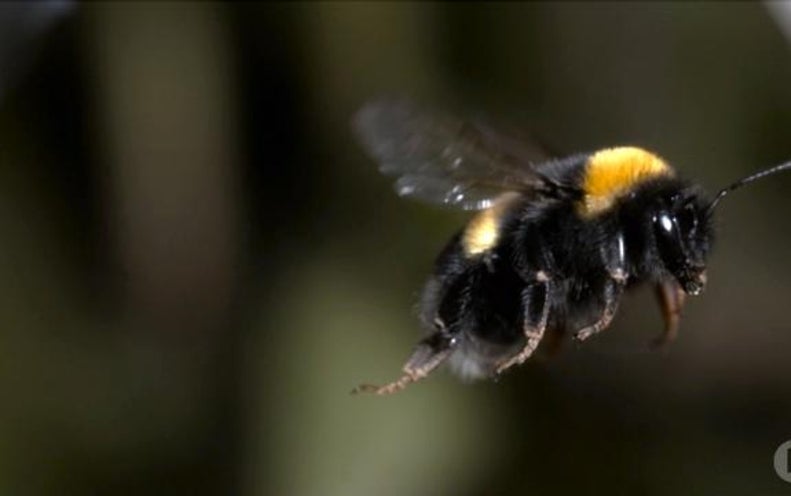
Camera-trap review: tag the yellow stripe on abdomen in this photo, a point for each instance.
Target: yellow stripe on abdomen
(483, 231)
(613, 172)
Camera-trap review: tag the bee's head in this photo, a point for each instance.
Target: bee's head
(682, 228)
(681, 221)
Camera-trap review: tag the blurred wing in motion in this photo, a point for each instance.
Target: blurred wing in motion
(444, 160)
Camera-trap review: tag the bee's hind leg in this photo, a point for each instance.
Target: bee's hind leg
(428, 355)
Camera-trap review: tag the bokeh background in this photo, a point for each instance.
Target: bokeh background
(198, 262)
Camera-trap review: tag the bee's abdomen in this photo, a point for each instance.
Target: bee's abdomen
(477, 300)
(485, 230)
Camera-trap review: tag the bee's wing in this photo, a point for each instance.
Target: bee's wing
(441, 159)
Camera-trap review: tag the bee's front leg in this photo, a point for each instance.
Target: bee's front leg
(671, 301)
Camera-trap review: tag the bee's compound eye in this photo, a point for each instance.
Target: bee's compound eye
(668, 241)
(665, 222)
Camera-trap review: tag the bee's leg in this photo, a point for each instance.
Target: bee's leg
(535, 309)
(614, 256)
(612, 294)
(428, 355)
(671, 301)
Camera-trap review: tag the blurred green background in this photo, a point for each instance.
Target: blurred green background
(198, 262)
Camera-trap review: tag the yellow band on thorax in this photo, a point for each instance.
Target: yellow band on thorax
(613, 172)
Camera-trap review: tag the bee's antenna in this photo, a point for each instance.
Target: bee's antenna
(741, 182)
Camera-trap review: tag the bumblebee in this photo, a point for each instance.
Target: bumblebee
(553, 246)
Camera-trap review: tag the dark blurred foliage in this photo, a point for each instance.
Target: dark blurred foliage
(197, 261)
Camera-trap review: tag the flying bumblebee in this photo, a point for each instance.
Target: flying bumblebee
(553, 246)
